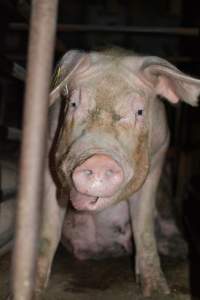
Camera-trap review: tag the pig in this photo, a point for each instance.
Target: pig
(108, 136)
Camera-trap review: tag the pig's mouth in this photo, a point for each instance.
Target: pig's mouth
(83, 202)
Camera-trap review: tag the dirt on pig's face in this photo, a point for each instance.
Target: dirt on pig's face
(102, 152)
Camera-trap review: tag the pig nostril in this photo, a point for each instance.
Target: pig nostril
(88, 172)
(109, 173)
(95, 200)
(98, 176)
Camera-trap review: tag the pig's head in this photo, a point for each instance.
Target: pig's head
(102, 149)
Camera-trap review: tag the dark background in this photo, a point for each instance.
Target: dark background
(182, 50)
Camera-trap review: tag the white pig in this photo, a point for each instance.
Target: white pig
(107, 143)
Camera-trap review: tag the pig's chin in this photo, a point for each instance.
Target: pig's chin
(83, 202)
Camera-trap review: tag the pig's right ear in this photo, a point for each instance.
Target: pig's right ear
(70, 63)
(169, 82)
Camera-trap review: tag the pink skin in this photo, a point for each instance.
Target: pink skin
(98, 176)
(83, 202)
(111, 101)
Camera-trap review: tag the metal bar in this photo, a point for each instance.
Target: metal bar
(174, 59)
(177, 31)
(40, 56)
(23, 8)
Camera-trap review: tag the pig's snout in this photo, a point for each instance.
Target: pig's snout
(98, 176)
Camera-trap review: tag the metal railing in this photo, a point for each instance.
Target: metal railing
(141, 30)
(40, 57)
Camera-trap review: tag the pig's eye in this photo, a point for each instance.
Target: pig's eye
(74, 102)
(140, 112)
(74, 99)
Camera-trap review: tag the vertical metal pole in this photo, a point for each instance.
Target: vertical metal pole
(40, 56)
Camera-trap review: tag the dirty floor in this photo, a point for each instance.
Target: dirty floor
(107, 280)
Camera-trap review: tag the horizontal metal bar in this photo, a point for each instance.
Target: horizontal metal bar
(175, 59)
(154, 30)
(24, 10)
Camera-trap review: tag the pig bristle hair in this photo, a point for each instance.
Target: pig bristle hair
(117, 52)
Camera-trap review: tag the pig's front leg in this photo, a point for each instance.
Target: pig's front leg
(53, 218)
(142, 208)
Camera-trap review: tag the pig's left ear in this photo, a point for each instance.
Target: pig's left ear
(169, 82)
(73, 61)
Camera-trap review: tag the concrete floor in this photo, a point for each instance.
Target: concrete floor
(107, 280)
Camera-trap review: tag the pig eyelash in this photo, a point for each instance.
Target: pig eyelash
(68, 97)
(65, 93)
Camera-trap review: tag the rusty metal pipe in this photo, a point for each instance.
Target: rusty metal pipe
(40, 56)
